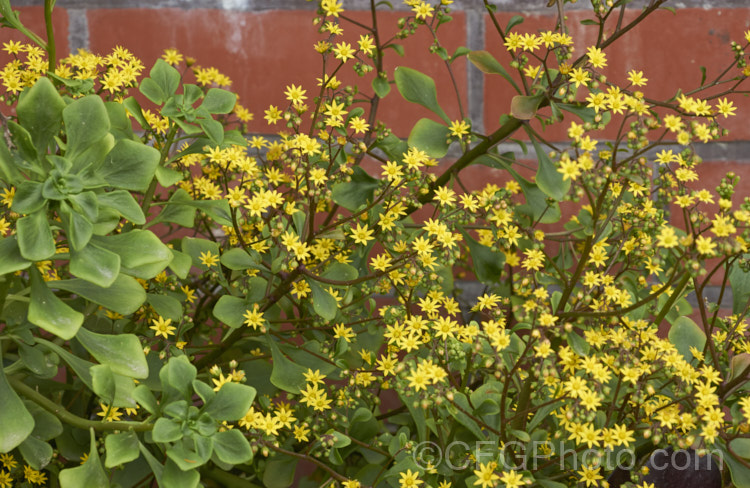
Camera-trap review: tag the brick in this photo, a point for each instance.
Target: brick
(238, 44)
(668, 49)
(248, 48)
(33, 19)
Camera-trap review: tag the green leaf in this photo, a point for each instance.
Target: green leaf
(151, 90)
(323, 302)
(167, 176)
(124, 388)
(549, 180)
(16, 423)
(430, 137)
(740, 473)
(142, 254)
(85, 203)
(279, 472)
(86, 123)
(684, 334)
(124, 296)
(740, 282)
(381, 87)
(203, 390)
(586, 114)
(741, 447)
(103, 381)
(487, 63)
(286, 375)
(213, 129)
(419, 88)
(174, 477)
(181, 208)
(355, 193)
(166, 306)
(35, 239)
(340, 272)
(188, 459)
(178, 373)
(120, 125)
(180, 264)
(156, 467)
(219, 101)
(145, 398)
(121, 352)
(130, 165)
(176, 211)
(231, 402)
(230, 310)
(134, 109)
(238, 259)
(28, 197)
(39, 363)
(25, 146)
(40, 111)
(197, 247)
(124, 203)
(550, 484)
(162, 83)
(578, 343)
(121, 448)
(36, 452)
(46, 425)
(514, 21)
(339, 440)
(79, 228)
(488, 263)
(88, 475)
(232, 447)
(80, 366)
(95, 264)
(524, 107)
(12, 260)
(737, 367)
(49, 312)
(167, 430)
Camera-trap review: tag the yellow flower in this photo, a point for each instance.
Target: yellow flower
(637, 78)
(172, 56)
(667, 237)
(331, 7)
(162, 327)
(108, 413)
(409, 479)
(579, 77)
(254, 318)
(423, 10)
(590, 476)
(597, 58)
(209, 259)
(512, 479)
(300, 433)
(340, 331)
(362, 234)
(295, 94)
(6, 480)
(366, 44)
(486, 477)
(344, 51)
(33, 476)
(459, 128)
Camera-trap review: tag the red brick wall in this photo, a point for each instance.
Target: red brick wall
(264, 45)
